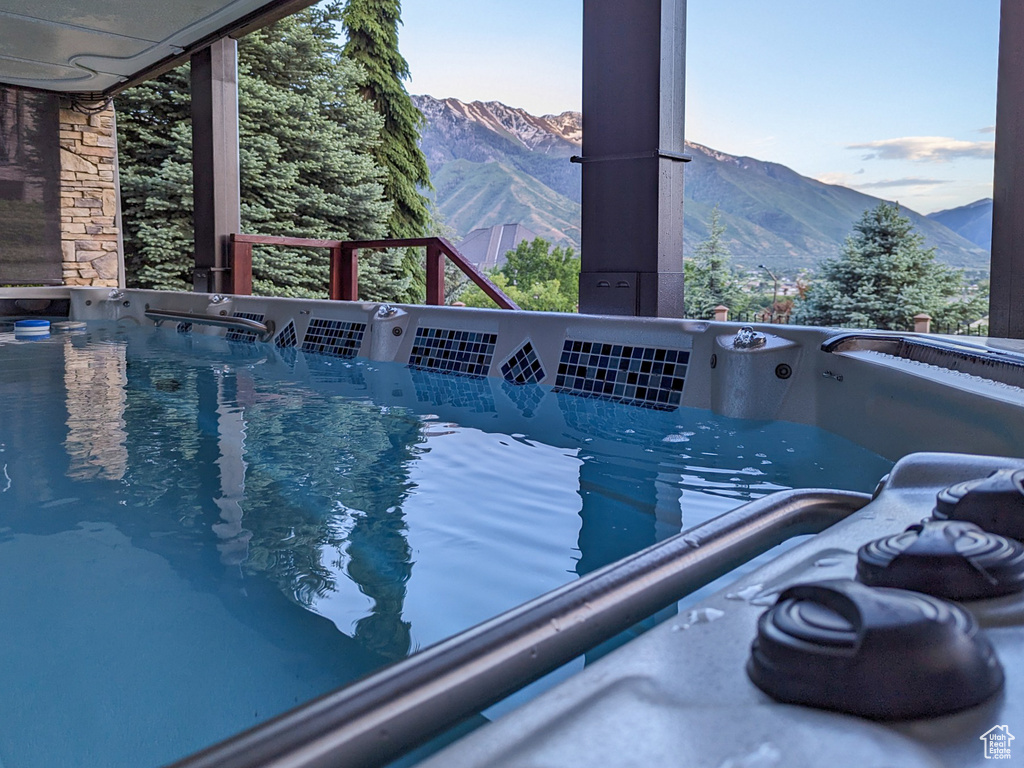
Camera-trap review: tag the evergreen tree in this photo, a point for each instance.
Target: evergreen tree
(307, 165)
(372, 27)
(536, 277)
(154, 135)
(883, 278)
(708, 279)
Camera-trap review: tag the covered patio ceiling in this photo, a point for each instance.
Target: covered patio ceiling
(95, 48)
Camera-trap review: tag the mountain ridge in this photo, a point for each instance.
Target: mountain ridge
(972, 221)
(772, 213)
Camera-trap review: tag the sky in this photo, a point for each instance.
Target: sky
(895, 98)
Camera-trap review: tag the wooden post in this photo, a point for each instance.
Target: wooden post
(344, 273)
(1006, 310)
(215, 169)
(435, 275)
(240, 277)
(721, 314)
(922, 323)
(334, 279)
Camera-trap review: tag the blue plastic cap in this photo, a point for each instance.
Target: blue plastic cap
(27, 324)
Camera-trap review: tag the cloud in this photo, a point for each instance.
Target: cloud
(987, 129)
(839, 178)
(904, 182)
(925, 149)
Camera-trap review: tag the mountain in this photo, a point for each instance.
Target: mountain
(774, 215)
(484, 132)
(495, 164)
(972, 221)
(484, 194)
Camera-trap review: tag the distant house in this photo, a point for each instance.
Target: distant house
(486, 247)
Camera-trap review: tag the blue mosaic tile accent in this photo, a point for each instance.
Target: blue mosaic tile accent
(460, 391)
(464, 352)
(184, 328)
(333, 337)
(523, 366)
(287, 338)
(644, 376)
(239, 334)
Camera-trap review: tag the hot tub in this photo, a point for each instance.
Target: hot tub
(630, 430)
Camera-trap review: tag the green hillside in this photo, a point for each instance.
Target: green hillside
(973, 221)
(471, 195)
(773, 214)
(492, 164)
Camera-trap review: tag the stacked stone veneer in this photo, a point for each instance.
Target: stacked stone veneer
(88, 198)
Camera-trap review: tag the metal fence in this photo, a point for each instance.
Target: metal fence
(961, 329)
(779, 318)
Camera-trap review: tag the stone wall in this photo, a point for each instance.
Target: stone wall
(90, 239)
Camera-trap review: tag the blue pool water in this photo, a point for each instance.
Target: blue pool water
(197, 535)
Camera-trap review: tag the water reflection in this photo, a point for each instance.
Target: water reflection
(95, 379)
(231, 466)
(298, 488)
(326, 482)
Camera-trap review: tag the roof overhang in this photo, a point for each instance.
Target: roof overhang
(94, 48)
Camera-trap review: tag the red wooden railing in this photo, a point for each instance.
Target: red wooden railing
(344, 279)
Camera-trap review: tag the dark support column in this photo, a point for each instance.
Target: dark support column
(214, 160)
(1006, 300)
(633, 88)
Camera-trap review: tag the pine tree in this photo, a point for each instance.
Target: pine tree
(372, 28)
(307, 144)
(883, 278)
(154, 137)
(709, 281)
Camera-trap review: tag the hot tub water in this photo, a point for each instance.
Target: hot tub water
(196, 535)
